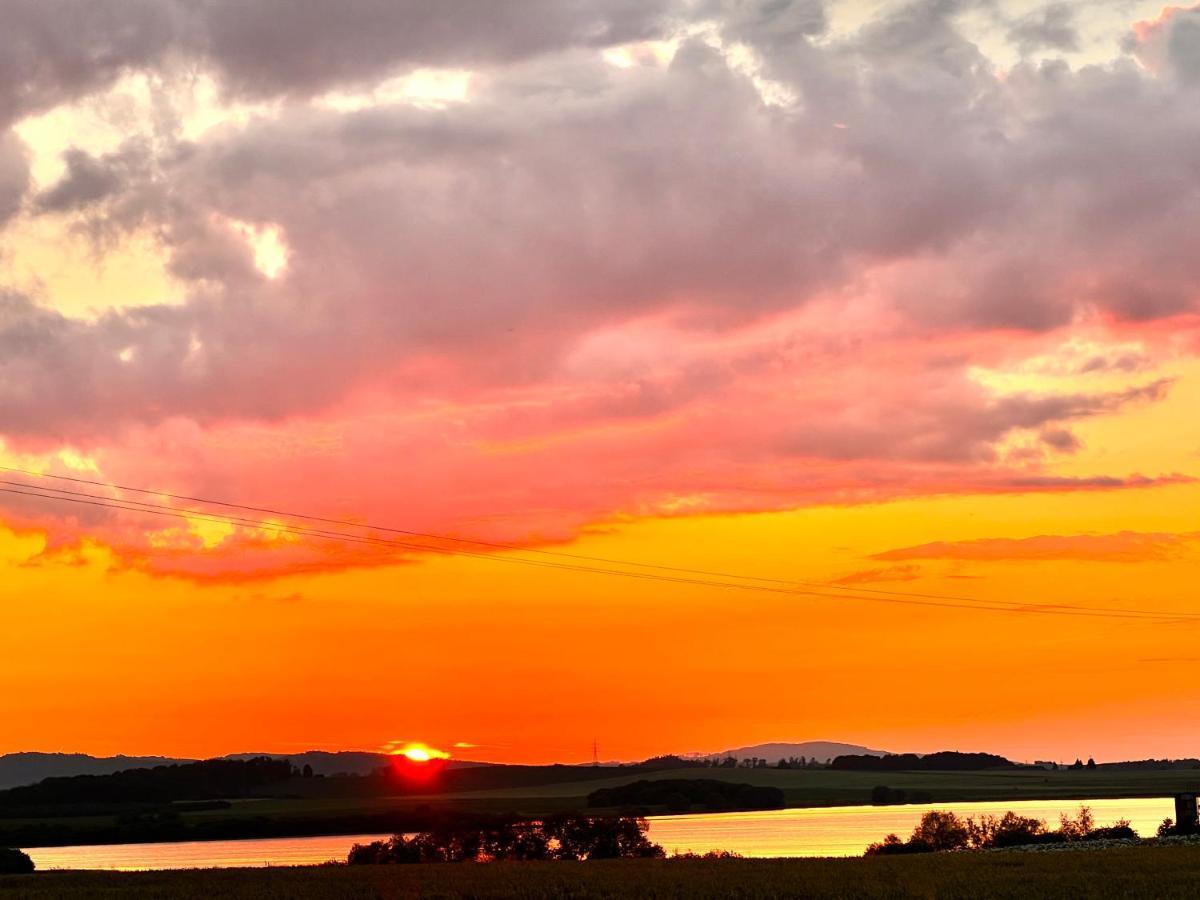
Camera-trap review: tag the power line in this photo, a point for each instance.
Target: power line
(850, 592)
(146, 507)
(493, 545)
(162, 510)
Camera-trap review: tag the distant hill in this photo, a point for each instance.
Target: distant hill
(341, 762)
(822, 751)
(18, 769)
(324, 762)
(212, 779)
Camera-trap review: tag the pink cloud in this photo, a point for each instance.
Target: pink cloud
(884, 575)
(1122, 547)
(593, 292)
(752, 421)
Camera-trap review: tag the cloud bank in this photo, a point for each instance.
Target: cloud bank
(658, 258)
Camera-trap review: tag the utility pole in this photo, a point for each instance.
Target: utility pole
(595, 753)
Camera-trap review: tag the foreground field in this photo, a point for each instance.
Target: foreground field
(1151, 872)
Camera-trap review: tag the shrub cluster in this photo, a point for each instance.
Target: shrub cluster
(568, 837)
(14, 862)
(1168, 828)
(941, 831)
(682, 794)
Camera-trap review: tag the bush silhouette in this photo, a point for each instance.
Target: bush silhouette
(893, 846)
(14, 862)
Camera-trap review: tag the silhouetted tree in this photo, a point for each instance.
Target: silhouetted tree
(1091, 763)
(942, 830)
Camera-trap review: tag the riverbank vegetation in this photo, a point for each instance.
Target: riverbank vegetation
(941, 831)
(564, 837)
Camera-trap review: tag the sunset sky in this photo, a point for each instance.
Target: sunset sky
(892, 304)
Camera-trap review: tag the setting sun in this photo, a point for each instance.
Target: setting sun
(417, 752)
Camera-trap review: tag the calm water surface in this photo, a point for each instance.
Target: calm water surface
(833, 831)
(847, 830)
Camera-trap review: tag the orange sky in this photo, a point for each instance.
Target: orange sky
(670, 298)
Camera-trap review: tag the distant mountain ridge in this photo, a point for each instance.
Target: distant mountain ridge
(822, 751)
(327, 762)
(17, 769)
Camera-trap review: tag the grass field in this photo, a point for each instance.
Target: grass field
(827, 787)
(802, 788)
(1125, 872)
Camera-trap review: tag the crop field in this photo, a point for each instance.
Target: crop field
(827, 787)
(1124, 872)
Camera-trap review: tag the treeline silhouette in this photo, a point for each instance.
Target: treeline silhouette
(562, 837)
(683, 794)
(213, 779)
(944, 761)
(758, 762)
(1143, 765)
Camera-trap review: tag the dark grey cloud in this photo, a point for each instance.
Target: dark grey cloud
(1050, 28)
(951, 423)
(569, 194)
(88, 180)
(52, 51)
(288, 46)
(14, 175)
(767, 24)
(1170, 44)
(1183, 44)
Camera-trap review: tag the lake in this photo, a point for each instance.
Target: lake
(830, 831)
